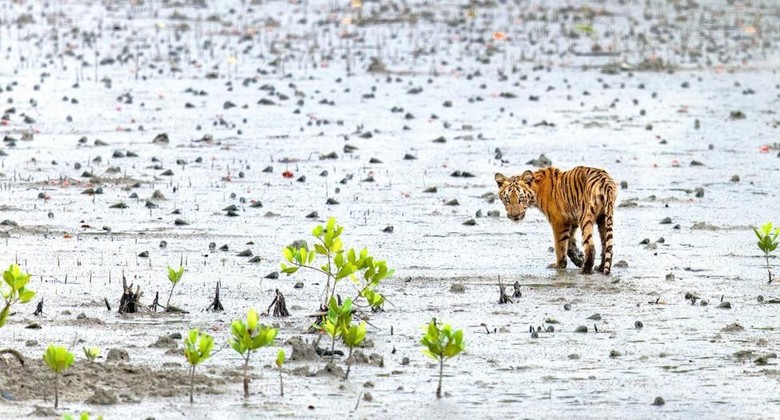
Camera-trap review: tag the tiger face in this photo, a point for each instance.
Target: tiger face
(516, 194)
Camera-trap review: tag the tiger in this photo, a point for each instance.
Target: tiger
(577, 198)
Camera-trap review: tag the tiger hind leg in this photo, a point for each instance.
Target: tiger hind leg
(573, 252)
(587, 245)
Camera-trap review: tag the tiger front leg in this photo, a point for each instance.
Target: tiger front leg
(561, 240)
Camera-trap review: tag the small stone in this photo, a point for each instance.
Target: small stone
(645, 241)
(117, 355)
(658, 401)
(272, 275)
(567, 306)
(638, 325)
(725, 305)
(367, 397)
(388, 229)
(595, 317)
(574, 356)
(405, 361)
(298, 285)
(581, 329)
(735, 178)
(458, 288)
(666, 221)
(615, 353)
(470, 222)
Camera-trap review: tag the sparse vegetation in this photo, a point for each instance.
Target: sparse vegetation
(442, 343)
(197, 348)
(365, 272)
(247, 337)
(91, 353)
(174, 276)
(16, 292)
(767, 243)
(59, 359)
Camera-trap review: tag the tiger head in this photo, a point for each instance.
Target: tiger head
(516, 194)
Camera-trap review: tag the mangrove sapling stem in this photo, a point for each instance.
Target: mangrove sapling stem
(168, 302)
(192, 383)
(441, 374)
(768, 270)
(56, 390)
(281, 382)
(246, 375)
(349, 364)
(333, 349)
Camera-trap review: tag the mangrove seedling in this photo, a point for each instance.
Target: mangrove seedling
(91, 353)
(174, 276)
(59, 359)
(336, 322)
(340, 263)
(247, 337)
(83, 416)
(442, 344)
(197, 348)
(279, 363)
(767, 243)
(16, 292)
(353, 336)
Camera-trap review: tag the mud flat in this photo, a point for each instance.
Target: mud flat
(131, 127)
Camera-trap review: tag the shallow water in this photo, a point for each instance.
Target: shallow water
(681, 353)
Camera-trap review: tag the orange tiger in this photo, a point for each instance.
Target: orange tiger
(578, 198)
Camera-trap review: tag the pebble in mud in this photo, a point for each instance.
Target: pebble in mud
(638, 325)
(581, 329)
(117, 355)
(615, 353)
(658, 401)
(458, 288)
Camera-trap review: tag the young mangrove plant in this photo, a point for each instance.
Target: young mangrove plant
(767, 243)
(83, 416)
(247, 337)
(91, 353)
(442, 344)
(279, 363)
(58, 359)
(197, 348)
(353, 336)
(336, 322)
(365, 272)
(15, 292)
(174, 276)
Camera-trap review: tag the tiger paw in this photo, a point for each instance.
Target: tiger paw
(587, 270)
(557, 266)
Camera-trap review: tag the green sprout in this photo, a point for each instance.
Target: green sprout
(59, 359)
(767, 243)
(16, 280)
(174, 276)
(361, 268)
(442, 344)
(336, 322)
(247, 337)
(83, 416)
(91, 353)
(353, 336)
(279, 363)
(197, 348)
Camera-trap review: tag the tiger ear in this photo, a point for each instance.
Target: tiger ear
(501, 179)
(527, 177)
